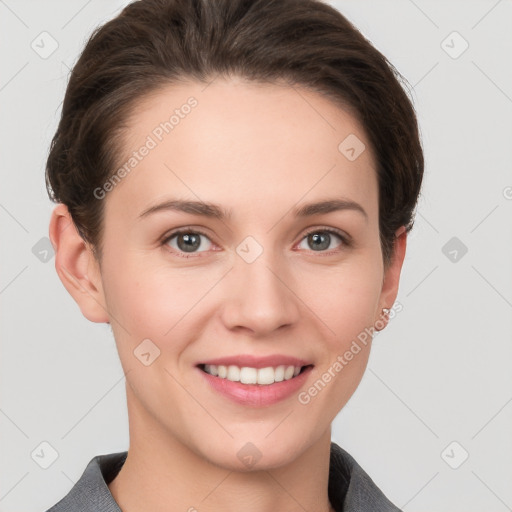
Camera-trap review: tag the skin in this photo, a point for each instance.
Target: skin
(260, 150)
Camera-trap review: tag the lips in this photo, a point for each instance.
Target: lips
(255, 395)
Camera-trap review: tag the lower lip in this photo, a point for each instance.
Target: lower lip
(256, 395)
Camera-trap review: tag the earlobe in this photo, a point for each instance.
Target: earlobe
(76, 266)
(391, 279)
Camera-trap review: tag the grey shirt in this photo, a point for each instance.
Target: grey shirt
(350, 488)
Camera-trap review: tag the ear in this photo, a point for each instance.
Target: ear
(391, 279)
(76, 266)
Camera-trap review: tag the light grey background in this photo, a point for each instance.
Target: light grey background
(440, 373)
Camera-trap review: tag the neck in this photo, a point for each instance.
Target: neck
(161, 469)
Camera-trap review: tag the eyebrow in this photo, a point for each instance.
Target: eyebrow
(216, 211)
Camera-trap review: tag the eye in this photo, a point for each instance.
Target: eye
(321, 238)
(187, 241)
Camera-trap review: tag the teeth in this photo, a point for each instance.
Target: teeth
(247, 375)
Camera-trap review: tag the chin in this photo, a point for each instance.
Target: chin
(253, 452)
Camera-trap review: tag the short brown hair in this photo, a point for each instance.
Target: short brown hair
(153, 43)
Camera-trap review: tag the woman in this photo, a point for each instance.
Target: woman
(236, 180)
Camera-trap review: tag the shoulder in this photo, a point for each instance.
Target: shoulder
(351, 489)
(91, 492)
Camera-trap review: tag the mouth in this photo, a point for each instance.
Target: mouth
(254, 376)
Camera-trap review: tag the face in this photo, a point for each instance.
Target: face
(260, 280)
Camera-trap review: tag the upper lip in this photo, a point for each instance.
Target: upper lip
(257, 361)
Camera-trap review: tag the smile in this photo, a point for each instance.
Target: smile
(249, 375)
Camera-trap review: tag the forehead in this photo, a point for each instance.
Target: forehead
(246, 145)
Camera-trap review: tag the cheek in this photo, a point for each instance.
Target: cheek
(155, 302)
(345, 301)
(345, 308)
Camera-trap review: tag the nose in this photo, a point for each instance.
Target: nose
(259, 296)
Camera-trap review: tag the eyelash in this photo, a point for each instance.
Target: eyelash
(347, 242)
